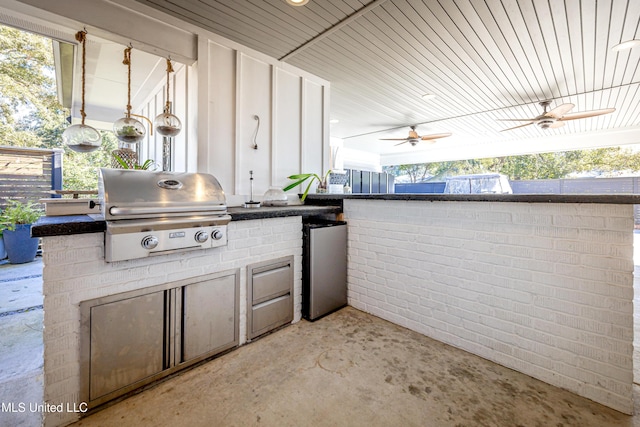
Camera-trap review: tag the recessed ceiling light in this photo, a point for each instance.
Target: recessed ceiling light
(428, 96)
(626, 45)
(297, 2)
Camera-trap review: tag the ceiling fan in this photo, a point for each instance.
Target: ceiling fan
(557, 117)
(414, 138)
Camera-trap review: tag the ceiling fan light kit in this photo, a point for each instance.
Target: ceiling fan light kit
(82, 138)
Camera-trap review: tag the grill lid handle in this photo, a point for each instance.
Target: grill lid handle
(116, 211)
(170, 184)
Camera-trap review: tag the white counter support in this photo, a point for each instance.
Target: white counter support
(542, 288)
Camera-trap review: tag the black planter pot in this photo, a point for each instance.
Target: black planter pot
(20, 246)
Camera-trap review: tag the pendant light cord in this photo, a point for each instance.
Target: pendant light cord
(167, 108)
(81, 37)
(127, 62)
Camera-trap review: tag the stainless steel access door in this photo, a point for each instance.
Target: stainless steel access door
(325, 275)
(210, 317)
(127, 340)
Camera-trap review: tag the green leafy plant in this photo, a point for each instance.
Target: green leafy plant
(18, 213)
(129, 131)
(145, 166)
(300, 178)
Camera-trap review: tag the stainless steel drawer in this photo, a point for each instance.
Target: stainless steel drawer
(271, 314)
(270, 295)
(272, 282)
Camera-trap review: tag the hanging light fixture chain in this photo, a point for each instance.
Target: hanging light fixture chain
(127, 62)
(81, 37)
(167, 108)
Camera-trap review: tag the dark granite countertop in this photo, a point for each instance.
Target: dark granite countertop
(620, 199)
(328, 204)
(48, 226)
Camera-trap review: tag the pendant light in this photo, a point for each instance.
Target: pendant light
(82, 138)
(167, 124)
(127, 129)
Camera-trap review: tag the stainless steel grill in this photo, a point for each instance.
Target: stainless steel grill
(154, 213)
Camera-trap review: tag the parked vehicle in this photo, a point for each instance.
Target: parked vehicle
(478, 184)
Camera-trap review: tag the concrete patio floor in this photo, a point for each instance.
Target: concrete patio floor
(346, 369)
(353, 369)
(21, 322)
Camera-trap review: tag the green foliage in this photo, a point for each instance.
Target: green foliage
(30, 114)
(300, 178)
(80, 171)
(148, 164)
(18, 213)
(531, 166)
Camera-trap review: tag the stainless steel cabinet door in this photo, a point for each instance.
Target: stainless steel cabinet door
(327, 270)
(209, 317)
(127, 339)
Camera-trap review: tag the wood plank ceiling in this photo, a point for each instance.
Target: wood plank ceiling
(483, 59)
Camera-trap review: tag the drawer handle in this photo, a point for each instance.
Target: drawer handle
(271, 301)
(271, 271)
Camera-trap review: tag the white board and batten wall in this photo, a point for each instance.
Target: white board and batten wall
(217, 89)
(218, 109)
(293, 111)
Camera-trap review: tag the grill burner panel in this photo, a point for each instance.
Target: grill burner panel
(142, 244)
(155, 213)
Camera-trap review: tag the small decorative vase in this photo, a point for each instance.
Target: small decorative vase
(321, 188)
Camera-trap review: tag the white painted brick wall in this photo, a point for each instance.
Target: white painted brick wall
(75, 271)
(545, 289)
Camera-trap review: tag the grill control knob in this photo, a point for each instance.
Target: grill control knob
(201, 236)
(216, 234)
(150, 242)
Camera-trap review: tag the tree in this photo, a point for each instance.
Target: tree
(30, 114)
(80, 170)
(531, 166)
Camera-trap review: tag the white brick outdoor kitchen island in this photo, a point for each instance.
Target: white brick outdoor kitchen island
(542, 284)
(543, 288)
(75, 271)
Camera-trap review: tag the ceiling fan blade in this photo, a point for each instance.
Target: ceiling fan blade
(560, 110)
(585, 114)
(516, 127)
(393, 139)
(400, 143)
(515, 120)
(557, 125)
(436, 136)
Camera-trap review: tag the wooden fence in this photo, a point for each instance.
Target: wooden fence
(29, 174)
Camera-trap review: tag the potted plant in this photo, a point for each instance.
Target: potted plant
(148, 164)
(129, 134)
(3, 252)
(16, 220)
(300, 178)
